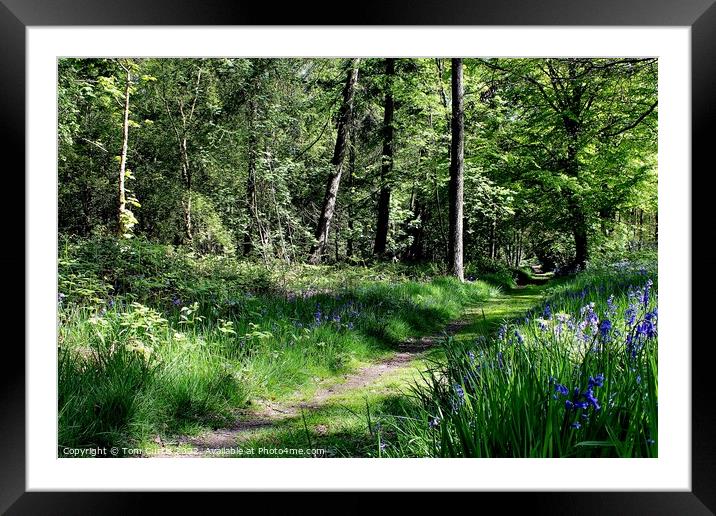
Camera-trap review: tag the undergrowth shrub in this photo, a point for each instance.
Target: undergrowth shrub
(492, 271)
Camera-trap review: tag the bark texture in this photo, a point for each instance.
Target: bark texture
(456, 172)
(334, 180)
(383, 221)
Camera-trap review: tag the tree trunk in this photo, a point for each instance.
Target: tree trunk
(493, 238)
(456, 171)
(641, 229)
(251, 205)
(443, 97)
(579, 232)
(578, 217)
(416, 231)
(186, 178)
(334, 180)
(381, 233)
(124, 225)
(337, 243)
(349, 208)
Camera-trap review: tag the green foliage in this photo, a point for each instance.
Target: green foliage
(205, 300)
(548, 142)
(101, 384)
(549, 384)
(181, 341)
(210, 234)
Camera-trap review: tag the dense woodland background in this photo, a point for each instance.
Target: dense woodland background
(238, 157)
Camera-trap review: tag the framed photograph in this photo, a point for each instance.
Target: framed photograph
(424, 245)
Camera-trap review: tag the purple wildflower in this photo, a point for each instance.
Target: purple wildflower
(561, 389)
(502, 332)
(630, 315)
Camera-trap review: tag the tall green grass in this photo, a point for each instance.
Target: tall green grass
(575, 378)
(155, 341)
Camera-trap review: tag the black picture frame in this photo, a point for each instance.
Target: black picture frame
(699, 15)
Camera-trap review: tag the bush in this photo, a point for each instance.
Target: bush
(493, 271)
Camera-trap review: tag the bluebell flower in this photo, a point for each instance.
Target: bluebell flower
(591, 319)
(630, 315)
(596, 381)
(576, 425)
(502, 332)
(459, 391)
(632, 345)
(645, 295)
(589, 396)
(611, 308)
(646, 329)
(520, 339)
(561, 389)
(459, 400)
(605, 327)
(434, 422)
(651, 318)
(547, 313)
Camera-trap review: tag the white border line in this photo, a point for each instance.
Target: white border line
(671, 471)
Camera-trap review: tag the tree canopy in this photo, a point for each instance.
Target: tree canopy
(236, 156)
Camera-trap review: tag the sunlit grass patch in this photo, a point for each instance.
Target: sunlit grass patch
(576, 377)
(173, 343)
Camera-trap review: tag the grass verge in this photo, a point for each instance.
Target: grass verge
(163, 343)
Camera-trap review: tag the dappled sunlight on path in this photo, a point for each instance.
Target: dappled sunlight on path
(334, 415)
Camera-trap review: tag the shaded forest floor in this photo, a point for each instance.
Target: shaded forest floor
(338, 416)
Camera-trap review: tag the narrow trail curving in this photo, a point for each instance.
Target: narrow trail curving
(268, 414)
